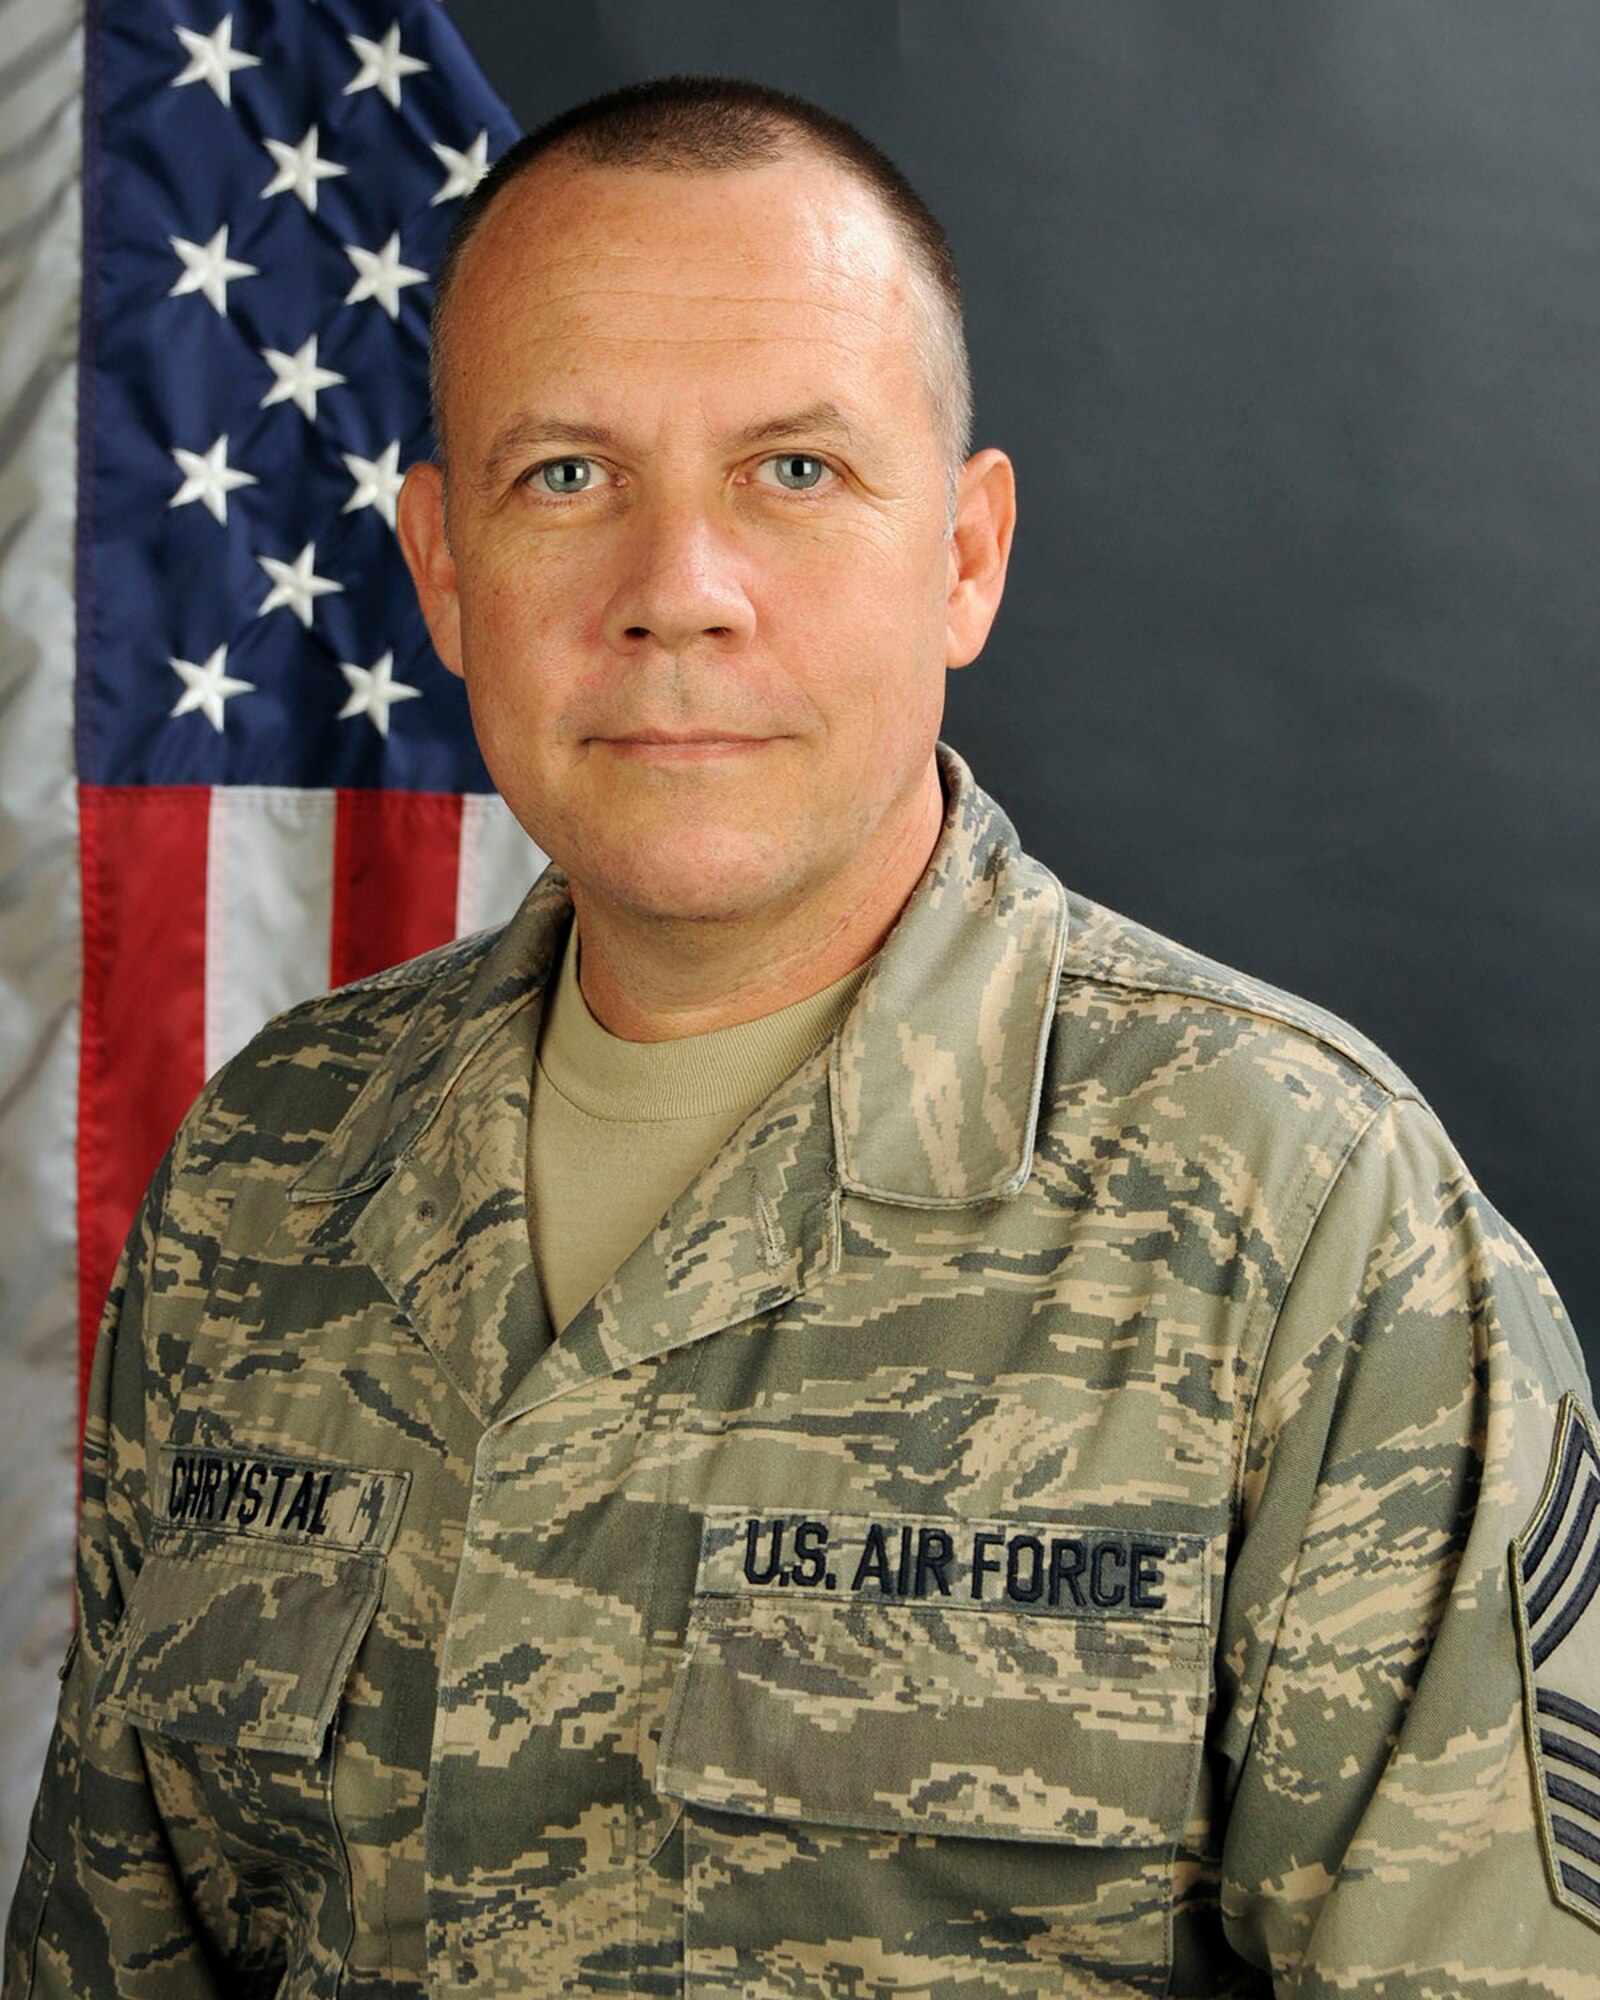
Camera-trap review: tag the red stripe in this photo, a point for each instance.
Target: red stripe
(396, 856)
(143, 873)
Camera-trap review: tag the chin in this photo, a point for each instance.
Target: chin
(688, 879)
(673, 901)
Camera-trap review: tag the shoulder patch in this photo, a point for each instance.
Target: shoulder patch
(1555, 1585)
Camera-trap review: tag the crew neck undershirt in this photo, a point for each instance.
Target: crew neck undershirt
(619, 1129)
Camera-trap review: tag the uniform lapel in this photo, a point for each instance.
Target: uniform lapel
(437, 1143)
(448, 1231)
(751, 1232)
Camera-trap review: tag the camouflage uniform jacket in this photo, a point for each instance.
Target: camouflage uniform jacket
(1036, 1517)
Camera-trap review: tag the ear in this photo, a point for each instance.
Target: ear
(980, 546)
(420, 525)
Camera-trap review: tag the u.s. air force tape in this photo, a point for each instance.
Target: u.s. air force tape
(1060, 1571)
(270, 1496)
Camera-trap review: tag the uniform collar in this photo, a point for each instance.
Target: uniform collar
(934, 1077)
(937, 1071)
(465, 995)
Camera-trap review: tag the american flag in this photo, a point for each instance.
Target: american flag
(277, 788)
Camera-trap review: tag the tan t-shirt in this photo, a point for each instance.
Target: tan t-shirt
(619, 1129)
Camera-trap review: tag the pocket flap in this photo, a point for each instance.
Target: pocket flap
(952, 1717)
(240, 1643)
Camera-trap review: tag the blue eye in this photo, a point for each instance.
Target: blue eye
(797, 470)
(566, 475)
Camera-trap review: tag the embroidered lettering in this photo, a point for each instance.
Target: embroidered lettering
(1066, 1567)
(774, 1568)
(810, 1554)
(299, 1514)
(984, 1561)
(1074, 1572)
(874, 1563)
(933, 1559)
(1105, 1587)
(1146, 1593)
(345, 1506)
(1025, 1569)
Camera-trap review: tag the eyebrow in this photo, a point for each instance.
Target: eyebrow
(538, 431)
(816, 420)
(534, 431)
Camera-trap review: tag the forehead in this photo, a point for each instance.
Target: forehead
(576, 269)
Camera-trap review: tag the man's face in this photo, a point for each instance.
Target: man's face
(699, 574)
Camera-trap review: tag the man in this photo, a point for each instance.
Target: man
(818, 1416)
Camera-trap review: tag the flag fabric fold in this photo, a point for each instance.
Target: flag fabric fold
(235, 771)
(40, 78)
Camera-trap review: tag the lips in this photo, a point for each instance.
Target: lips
(668, 744)
(673, 738)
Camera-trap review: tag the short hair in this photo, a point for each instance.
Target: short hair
(708, 125)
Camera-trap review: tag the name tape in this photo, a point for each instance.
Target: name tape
(279, 1499)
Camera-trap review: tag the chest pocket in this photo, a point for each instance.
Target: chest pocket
(262, 1577)
(936, 1791)
(233, 1653)
(238, 1643)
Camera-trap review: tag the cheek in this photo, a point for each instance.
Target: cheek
(527, 629)
(867, 629)
(512, 598)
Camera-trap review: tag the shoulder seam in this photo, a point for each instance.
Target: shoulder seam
(1234, 1004)
(424, 970)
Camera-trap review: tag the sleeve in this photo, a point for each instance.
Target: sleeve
(1399, 1826)
(100, 1908)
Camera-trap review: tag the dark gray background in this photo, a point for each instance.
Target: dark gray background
(1290, 317)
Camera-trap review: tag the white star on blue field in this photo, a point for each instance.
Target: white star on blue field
(258, 378)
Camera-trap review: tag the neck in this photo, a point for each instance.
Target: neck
(657, 979)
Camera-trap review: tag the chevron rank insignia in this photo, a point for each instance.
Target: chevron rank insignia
(1555, 1584)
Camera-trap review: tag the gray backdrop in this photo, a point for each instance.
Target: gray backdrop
(1289, 318)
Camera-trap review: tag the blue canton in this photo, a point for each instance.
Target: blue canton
(263, 215)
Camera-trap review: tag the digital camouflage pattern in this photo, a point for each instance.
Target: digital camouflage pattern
(1034, 1518)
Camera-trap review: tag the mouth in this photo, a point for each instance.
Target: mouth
(664, 746)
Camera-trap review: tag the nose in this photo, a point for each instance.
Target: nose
(681, 580)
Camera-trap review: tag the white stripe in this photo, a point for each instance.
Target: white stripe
(216, 938)
(269, 908)
(499, 864)
(41, 77)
